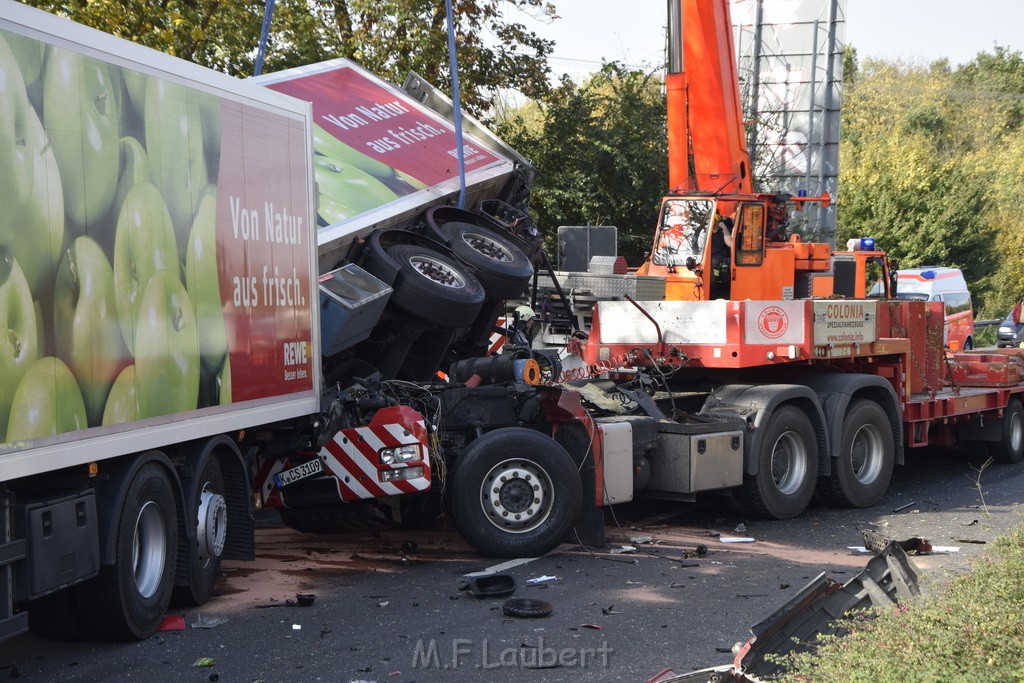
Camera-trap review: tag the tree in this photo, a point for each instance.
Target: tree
(387, 37)
(908, 172)
(600, 152)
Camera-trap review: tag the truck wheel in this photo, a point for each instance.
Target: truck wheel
(1010, 448)
(515, 493)
(128, 599)
(787, 466)
(434, 287)
(861, 473)
(56, 617)
(501, 267)
(211, 519)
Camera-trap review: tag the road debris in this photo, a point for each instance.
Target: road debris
(876, 542)
(203, 662)
(610, 609)
(541, 579)
(736, 539)
(621, 550)
(208, 622)
(640, 540)
(526, 608)
(592, 626)
(741, 528)
(305, 599)
(905, 506)
(493, 586)
(172, 622)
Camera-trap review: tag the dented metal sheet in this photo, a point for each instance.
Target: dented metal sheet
(889, 579)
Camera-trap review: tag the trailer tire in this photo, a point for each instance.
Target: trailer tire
(1010, 448)
(515, 493)
(861, 472)
(501, 267)
(787, 466)
(56, 617)
(211, 518)
(434, 287)
(128, 600)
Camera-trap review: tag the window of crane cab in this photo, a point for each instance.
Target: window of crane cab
(749, 239)
(681, 230)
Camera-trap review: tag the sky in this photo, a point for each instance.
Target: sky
(632, 31)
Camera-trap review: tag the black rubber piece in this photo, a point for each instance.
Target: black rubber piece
(492, 586)
(526, 608)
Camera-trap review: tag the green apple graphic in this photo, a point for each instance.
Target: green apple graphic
(224, 382)
(174, 142)
(122, 402)
(134, 170)
(209, 112)
(90, 341)
(166, 349)
(19, 339)
(83, 123)
(29, 181)
(30, 54)
(135, 84)
(143, 246)
(348, 190)
(203, 283)
(48, 402)
(326, 145)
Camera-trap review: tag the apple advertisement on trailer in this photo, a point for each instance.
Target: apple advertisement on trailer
(154, 247)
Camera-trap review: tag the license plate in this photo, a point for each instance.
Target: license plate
(293, 474)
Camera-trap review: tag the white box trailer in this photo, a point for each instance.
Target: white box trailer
(158, 294)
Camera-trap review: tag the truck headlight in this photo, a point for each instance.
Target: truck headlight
(404, 473)
(400, 454)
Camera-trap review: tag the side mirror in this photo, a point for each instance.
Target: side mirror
(691, 263)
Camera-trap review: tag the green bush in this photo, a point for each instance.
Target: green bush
(971, 630)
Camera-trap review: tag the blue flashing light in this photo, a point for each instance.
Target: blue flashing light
(867, 243)
(928, 274)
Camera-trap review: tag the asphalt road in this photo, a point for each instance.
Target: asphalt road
(389, 608)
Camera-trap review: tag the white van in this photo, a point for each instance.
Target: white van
(935, 283)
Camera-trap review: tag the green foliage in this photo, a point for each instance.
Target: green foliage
(387, 37)
(601, 154)
(972, 630)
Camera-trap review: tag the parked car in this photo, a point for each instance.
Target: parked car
(1010, 333)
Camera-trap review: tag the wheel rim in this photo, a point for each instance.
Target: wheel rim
(789, 463)
(867, 453)
(516, 495)
(149, 549)
(212, 531)
(1016, 432)
(438, 271)
(487, 246)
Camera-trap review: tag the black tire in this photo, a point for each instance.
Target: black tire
(515, 493)
(56, 617)
(338, 518)
(1010, 448)
(128, 599)
(210, 515)
(787, 466)
(434, 287)
(501, 267)
(867, 450)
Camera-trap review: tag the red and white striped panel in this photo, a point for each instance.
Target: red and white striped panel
(352, 459)
(496, 340)
(352, 456)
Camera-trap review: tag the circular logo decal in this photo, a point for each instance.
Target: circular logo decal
(773, 322)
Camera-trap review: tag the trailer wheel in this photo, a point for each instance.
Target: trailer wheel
(211, 519)
(515, 493)
(128, 599)
(861, 473)
(434, 287)
(1010, 448)
(787, 466)
(501, 267)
